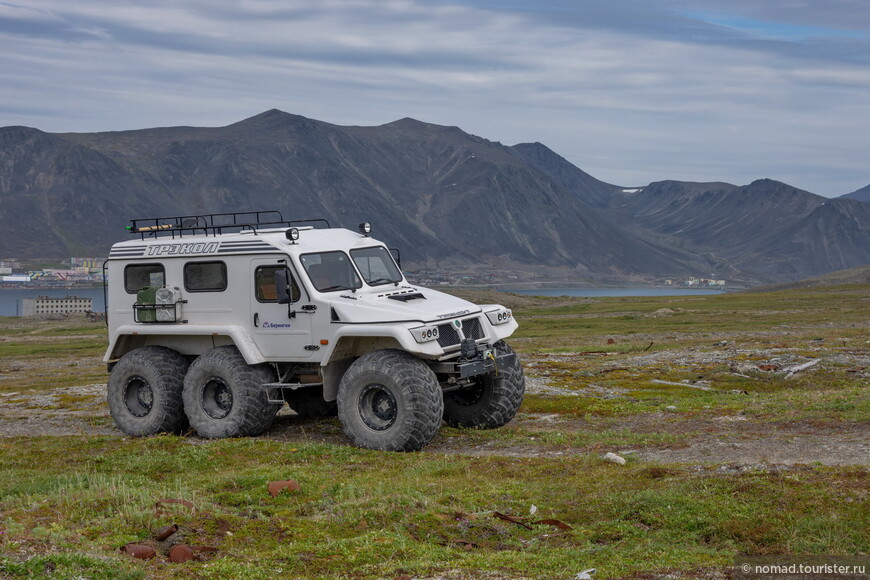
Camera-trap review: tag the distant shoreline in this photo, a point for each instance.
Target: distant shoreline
(51, 287)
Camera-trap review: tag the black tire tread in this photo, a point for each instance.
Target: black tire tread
(252, 413)
(168, 368)
(419, 388)
(502, 400)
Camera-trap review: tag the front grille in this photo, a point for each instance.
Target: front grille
(447, 335)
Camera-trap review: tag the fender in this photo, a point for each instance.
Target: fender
(400, 335)
(236, 334)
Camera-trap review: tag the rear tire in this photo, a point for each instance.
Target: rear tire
(492, 401)
(390, 400)
(223, 397)
(144, 391)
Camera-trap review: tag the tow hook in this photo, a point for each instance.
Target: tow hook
(489, 354)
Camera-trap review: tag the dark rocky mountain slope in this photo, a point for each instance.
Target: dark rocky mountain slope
(590, 190)
(766, 231)
(862, 194)
(445, 197)
(59, 198)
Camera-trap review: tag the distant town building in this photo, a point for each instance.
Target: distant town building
(89, 263)
(710, 283)
(45, 305)
(82, 272)
(15, 279)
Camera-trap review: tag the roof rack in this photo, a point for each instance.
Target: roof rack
(212, 223)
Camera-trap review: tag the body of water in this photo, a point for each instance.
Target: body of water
(605, 292)
(10, 298)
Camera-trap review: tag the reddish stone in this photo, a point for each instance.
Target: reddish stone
(181, 553)
(276, 487)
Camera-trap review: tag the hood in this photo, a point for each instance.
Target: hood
(400, 304)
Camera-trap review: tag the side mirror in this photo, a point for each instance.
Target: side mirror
(282, 286)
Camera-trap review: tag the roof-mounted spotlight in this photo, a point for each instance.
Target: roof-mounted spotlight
(365, 228)
(292, 234)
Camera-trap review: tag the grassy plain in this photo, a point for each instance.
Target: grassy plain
(722, 440)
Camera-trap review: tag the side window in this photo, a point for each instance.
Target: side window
(205, 276)
(264, 284)
(138, 276)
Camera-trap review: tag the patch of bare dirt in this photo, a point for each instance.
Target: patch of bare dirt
(79, 410)
(720, 440)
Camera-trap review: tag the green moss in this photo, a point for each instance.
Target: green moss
(380, 514)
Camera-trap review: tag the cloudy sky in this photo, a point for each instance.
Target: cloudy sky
(631, 91)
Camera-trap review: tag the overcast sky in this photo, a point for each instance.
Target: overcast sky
(631, 91)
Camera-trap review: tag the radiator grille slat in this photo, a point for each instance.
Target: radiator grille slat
(448, 336)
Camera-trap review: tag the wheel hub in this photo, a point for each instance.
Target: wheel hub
(216, 398)
(138, 396)
(377, 407)
(468, 396)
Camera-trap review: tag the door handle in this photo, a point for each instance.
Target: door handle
(256, 319)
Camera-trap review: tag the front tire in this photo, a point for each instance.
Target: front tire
(223, 397)
(390, 400)
(492, 401)
(144, 392)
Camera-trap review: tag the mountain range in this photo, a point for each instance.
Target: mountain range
(448, 199)
(862, 194)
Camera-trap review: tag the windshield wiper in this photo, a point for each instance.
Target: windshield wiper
(377, 281)
(334, 288)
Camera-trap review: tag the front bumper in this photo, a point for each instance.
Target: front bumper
(489, 362)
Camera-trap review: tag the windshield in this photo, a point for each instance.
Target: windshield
(376, 265)
(330, 271)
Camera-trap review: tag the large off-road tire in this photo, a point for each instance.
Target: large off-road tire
(144, 392)
(223, 397)
(492, 401)
(308, 402)
(390, 400)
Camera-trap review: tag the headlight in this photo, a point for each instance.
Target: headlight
(425, 333)
(500, 316)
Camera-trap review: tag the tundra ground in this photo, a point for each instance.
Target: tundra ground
(744, 421)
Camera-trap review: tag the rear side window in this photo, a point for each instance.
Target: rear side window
(205, 276)
(138, 276)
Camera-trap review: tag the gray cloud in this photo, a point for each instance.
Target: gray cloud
(629, 90)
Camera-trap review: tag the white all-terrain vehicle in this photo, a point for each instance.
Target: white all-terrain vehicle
(215, 321)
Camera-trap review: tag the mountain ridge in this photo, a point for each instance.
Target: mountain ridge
(862, 194)
(446, 197)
